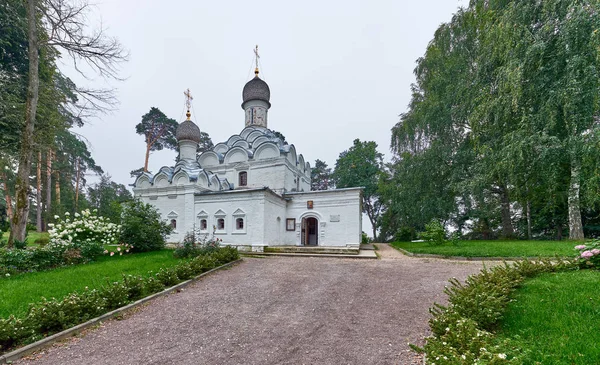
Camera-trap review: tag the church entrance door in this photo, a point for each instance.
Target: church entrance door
(310, 230)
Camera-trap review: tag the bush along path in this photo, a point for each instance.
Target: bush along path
(51, 316)
(463, 331)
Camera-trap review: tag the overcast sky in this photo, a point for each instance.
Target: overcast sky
(337, 70)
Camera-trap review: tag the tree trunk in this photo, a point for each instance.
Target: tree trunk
(57, 189)
(147, 157)
(7, 197)
(19, 221)
(507, 229)
(559, 229)
(77, 185)
(575, 226)
(38, 194)
(528, 208)
(48, 184)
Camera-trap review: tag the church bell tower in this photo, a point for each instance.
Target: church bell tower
(255, 99)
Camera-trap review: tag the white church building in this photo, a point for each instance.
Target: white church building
(252, 190)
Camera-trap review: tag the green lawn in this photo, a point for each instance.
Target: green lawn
(17, 291)
(556, 319)
(493, 248)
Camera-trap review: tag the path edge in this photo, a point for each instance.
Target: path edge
(462, 258)
(9, 357)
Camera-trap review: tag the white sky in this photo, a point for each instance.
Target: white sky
(338, 70)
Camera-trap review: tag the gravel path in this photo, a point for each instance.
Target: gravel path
(278, 310)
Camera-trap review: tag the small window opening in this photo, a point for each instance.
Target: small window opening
(203, 224)
(173, 223)
(221, 224)
(243, 178)
(239, 223)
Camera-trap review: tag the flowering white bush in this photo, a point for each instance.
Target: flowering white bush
(83, 228)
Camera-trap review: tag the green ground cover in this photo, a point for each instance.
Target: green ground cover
(555, 318)
(17, 291)
(493, 248)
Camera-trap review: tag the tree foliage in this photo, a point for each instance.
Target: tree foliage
(362, 166)
(107, 196)
(321, 176)
(38, 104)
(158, 131)
(501, 135)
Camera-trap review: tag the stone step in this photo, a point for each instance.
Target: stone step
(312, 250)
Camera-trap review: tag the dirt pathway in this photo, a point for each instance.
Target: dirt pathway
(279, 310)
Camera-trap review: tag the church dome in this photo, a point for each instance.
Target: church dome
(256, 89)
(188, 130)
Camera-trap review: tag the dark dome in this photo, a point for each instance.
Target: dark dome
(188, 130)
(256, 89)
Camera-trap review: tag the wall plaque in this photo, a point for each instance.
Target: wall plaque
(290, 224)
(334, 218)
(309, 204)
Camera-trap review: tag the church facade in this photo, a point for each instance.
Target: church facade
(252, 190)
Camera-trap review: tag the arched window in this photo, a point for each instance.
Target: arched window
(203, 224)
(239, 224)
(243, 178)
(220, 224)
(174, 223)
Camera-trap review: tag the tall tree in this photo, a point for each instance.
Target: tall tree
(321, 176)
(158, 131)
(362, 166)
(58, 25)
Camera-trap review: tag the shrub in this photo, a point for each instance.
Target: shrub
(364, 238)
(142, 227)
(589, 254)
(84, 228)
(168, 277)
(434, 233)
(405, 234)
(192, 246)
(42, 241)
(463, 330)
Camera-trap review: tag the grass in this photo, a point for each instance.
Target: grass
(555, 319)
(17, 291)
(493, 248)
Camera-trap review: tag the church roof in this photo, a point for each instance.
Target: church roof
(256, 89)
(188, 130)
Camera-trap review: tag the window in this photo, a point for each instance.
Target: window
(220, 224)
(173, 223)
(239, 218)
(203, 224)
(243, 178)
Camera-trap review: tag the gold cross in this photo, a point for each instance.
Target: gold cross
(257, 57)
(188, 98)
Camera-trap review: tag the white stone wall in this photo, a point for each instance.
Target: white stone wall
(173, 202)
(231, 204)
(337, 211)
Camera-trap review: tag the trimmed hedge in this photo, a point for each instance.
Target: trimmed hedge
(463, 330)
(54, 315)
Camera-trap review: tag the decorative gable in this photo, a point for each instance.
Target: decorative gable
(172, 214)
(239, 212)
(220, 213)
(202, 214)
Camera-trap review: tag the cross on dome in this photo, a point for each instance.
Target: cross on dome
(256, 57)
(188, 102)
